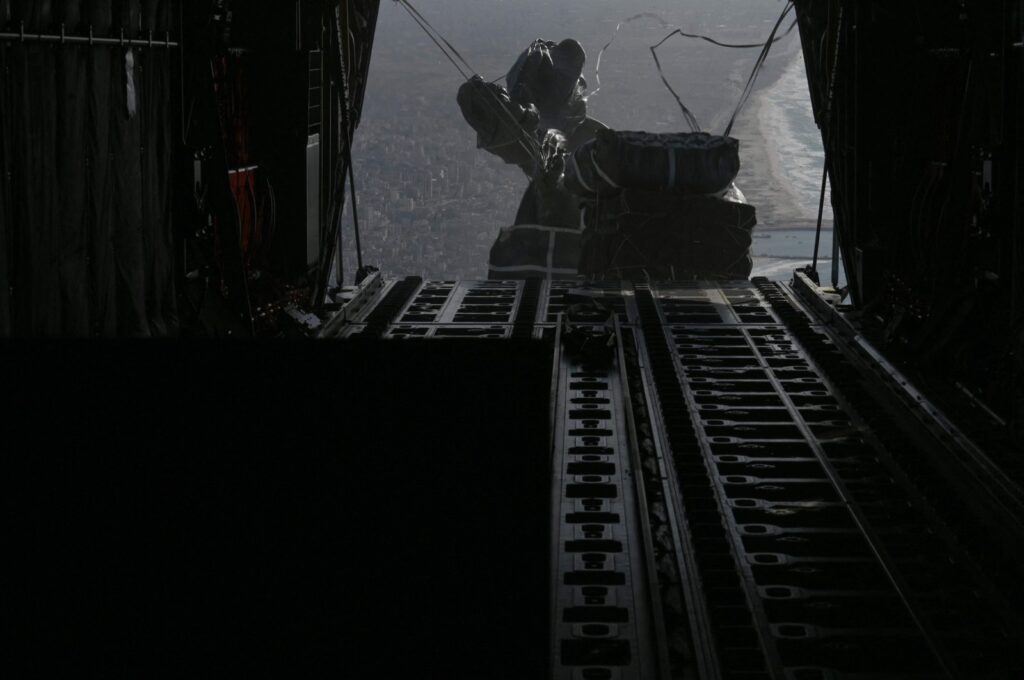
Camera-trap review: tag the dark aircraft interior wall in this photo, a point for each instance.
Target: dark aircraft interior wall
(362, 510)
(87, 140)
(923, 136)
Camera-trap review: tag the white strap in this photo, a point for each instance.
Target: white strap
(541, 227)
(532, 268)
(579, 176)
(600, 172)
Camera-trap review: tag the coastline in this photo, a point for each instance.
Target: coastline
(786, 197)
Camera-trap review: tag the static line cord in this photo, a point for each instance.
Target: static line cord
(757, 68)
(828, 144)
(821, 212)
(355, 213)
(615, 34)
(347, 94)
(332, 237)
(688, 115)
(422, 24)
(691, 119)
(530, 145)
(531, 148)
(678, 31)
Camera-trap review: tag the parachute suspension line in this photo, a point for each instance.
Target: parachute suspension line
(438, 33)
(828, 139)
(691, 119)
(677, 31)
(430, 31)
(526, 140)
(736, 46)
(687, 114)
(355, 217)
(347, 104)
(615, 34)
(332, 239)
(749, 88)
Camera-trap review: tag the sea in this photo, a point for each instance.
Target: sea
(782, 124)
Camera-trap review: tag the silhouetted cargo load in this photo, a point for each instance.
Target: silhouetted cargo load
(688, 162)
(661, 206)
(530, 251)
(605, 202)
(639, 235)
(534, 124)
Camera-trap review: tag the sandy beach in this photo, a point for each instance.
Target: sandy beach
(780, 149)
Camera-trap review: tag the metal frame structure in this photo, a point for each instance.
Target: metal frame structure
(763, 516)
(90, 39)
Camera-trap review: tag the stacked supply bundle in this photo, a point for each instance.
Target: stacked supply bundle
(661, 206)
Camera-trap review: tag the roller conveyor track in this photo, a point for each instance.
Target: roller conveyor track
(846, 568)
(732, 500)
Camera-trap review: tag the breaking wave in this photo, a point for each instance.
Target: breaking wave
(793, 141)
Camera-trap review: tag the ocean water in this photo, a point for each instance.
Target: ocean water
(777, 252)
(791, 243)
(793, 142)
(791, 147)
